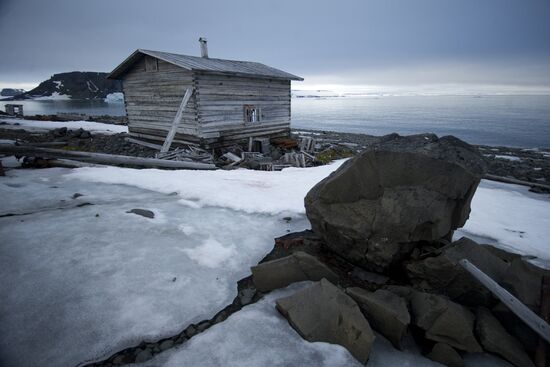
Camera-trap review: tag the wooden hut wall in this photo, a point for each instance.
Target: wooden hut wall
(152, 99)
(220, 103)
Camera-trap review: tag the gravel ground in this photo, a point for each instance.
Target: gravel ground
(531, 165)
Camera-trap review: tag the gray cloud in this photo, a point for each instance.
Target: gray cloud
(386, 42)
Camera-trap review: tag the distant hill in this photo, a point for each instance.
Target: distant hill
(74, 85)
(10, 92)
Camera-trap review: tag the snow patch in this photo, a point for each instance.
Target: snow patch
(508, 157)
(55, 96)
(211, 253)
(58, 84)
(246, 190)
(115, 97)
(37, 125)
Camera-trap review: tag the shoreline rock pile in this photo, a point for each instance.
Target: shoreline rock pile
(381, 254)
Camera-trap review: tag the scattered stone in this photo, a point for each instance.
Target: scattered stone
(167, 344)
(118, 359)
(442, 273)
(495, 339)
(324, 313)
(446, 355)
(401, 290)
(246, 295)
(77, 195)
(143, 212)
(445, 321)
(143, 356)
(97, 215)
(386, 312)
(377, 206)
(369, 277)
(296, 267)
(190, 331)
(83, 204)
(202, 326)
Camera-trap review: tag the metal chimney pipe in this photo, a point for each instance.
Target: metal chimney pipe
(204, 47)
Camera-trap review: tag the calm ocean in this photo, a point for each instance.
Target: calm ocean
(519, 121)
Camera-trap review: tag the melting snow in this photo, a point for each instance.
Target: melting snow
(37, 125)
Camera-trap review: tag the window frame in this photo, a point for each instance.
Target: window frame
(252, 114)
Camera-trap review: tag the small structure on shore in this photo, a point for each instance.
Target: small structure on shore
(201, 100)
(14, 109)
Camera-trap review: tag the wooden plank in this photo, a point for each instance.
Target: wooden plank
(532, 320)
(101, 158)
(144, 143)
(177, 119)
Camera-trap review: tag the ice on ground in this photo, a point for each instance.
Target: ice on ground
(37, 125)
(246, 190)
(115, 97)
(255, 336)
(85, 281)
(259, 336)
(509, 215)
(516, 219)
(10, 162)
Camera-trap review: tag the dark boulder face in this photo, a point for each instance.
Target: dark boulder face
(403, 190)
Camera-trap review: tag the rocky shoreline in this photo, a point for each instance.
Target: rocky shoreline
(530, 165)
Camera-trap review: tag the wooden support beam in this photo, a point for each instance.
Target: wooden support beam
(176, 122)
(532, 320)
(100, 158)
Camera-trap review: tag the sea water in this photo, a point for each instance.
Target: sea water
(507, 120)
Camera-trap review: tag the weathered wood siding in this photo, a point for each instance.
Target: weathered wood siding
(152, 99)
(220, 101)
(214, 115)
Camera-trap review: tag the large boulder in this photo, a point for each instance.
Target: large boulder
(402, 190)
(495, 339)
(445, 321)
(386, 311)
(296, 267)
(324, 313)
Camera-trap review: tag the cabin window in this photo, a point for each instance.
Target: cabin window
(252, 113)
(151, 63)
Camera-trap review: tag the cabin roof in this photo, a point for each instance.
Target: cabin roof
(195, 63)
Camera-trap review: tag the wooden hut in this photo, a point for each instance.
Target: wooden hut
(201, 100)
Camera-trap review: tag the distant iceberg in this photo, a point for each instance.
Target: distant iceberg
(114, 97)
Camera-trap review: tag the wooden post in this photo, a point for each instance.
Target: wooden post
(538, 325)
(176, 122)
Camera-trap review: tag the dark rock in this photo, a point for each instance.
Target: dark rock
(385, 311)
(446, 355)
(296, 267)
(403, 190)
(494, 338)
(143, 212)
(369, 277)
(443, 273)
(190, 331)
(324, 313)
(246, 295)
(444, 321)
(77, 195)
(143, 356)
(516, 327)
(167, 344)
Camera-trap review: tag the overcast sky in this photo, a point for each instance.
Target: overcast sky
(350, 43)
